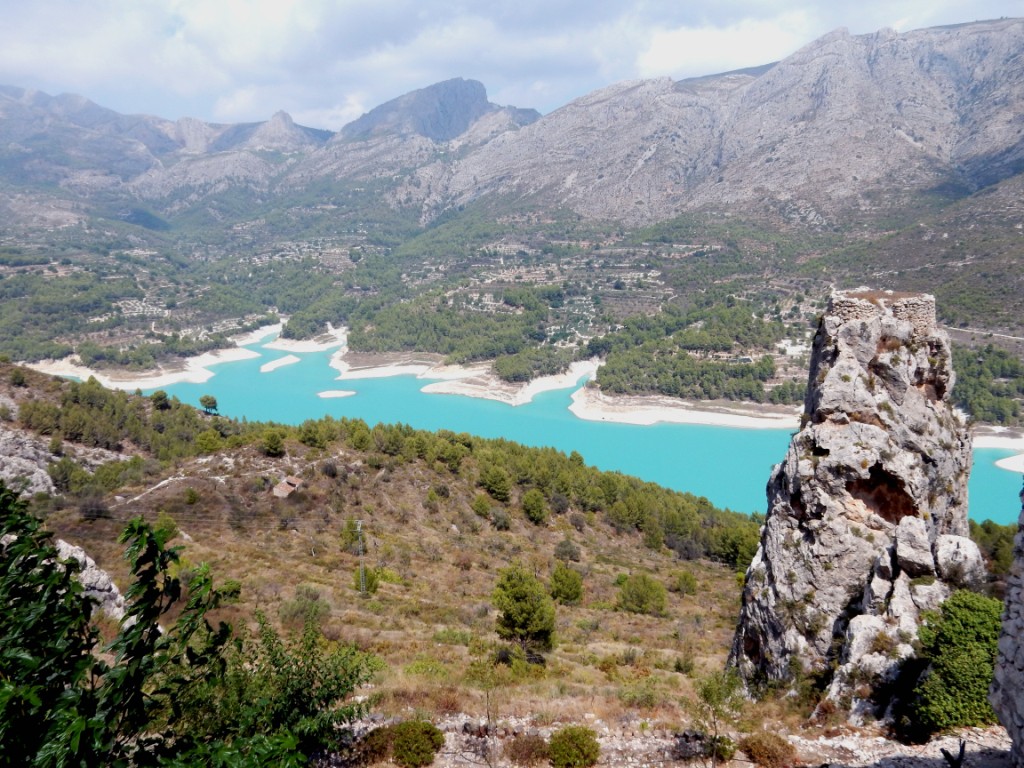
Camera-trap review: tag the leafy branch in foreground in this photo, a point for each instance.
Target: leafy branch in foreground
(185, 695)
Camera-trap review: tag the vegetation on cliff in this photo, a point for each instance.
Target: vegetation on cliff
(165, 690)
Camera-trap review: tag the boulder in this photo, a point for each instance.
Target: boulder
(913, 549)
(959, 561)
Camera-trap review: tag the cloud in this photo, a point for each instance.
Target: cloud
(703, 50)
(332, 60)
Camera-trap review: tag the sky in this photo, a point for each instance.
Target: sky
(326, 62)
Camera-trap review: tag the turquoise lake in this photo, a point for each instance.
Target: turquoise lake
(729, 466)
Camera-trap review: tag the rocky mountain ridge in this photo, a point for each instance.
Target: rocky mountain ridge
(849, 126)
(867, 515)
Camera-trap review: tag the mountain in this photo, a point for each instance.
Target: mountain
(848, 123)
(440, 112)
(887, 158)
(849, 128)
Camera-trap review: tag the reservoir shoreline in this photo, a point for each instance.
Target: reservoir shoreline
(722, 450)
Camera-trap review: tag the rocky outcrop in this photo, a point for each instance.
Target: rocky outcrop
(439, 112)
(23, 460)
(25, 457)
(1009, 673)
(867, 514)
(98, 585)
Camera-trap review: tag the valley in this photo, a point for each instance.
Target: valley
(692, 246)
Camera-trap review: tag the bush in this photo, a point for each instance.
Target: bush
(685, 583)
(500, 519)
(414, 743)
(365, 577)
(961, 648)
(642, 594)
(93, 508)
(306, 606)
(497, 482)
(566, 585)
(720, 749)
(411, 744)
(273, 443)
(769, 750)
(481, 505)
(260, 699)
(527, 614)
(566, 550)
(574, 746)
(527, 749)
(534, 507)
(375, 747)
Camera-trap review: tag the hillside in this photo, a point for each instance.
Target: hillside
(433, 519)
(441, 515)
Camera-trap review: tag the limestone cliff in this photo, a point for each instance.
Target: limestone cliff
(867, 514)
(1009, 673)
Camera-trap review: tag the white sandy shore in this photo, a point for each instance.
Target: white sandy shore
(333, 393)
(998, 437)
(591, 404)
(252, 337)
(335, 337)
(479, 382)
(273, 365)
(1012, 464)
(194, 371)
(382, 371)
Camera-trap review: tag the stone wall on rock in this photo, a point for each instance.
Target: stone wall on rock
(1008, 684)
(867, 514)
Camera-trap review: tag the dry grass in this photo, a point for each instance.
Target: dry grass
(431, 618)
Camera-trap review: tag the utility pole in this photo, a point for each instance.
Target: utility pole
(362, 566)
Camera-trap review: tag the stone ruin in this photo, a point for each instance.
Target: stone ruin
(867, 514)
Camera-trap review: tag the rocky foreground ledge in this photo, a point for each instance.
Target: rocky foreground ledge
(469, 743)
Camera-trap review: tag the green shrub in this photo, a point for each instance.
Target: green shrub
(527, 749)
(368, 577)
(497, 482)
(685, 583)
(527, 614)
(566, 550)
(450, 636)
(500, 519)
(768, 750)
(534, 506)
(566, 584)
(375, 747)
(720, 749)
(305, 606)
(642, 694)
(481, 505)
(426, 666)
(414, 743)
(642, 594)
(574, 746)
(273, 443)
(961, 647)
